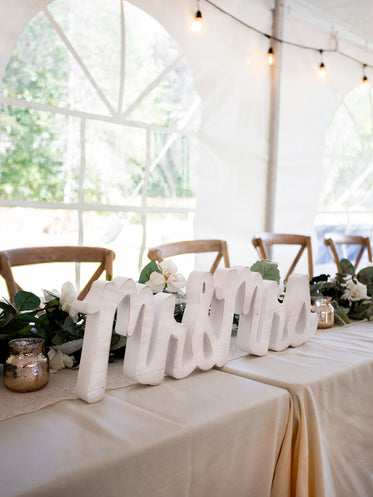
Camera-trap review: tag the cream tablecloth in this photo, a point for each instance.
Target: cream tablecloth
(211, 434)
(330, 379)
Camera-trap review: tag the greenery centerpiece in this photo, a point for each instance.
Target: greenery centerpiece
(52, 318)
(351, 292)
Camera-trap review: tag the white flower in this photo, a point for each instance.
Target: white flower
(70, 347)
(355, 291)
(58, 360)
(168, 279)
(168, 268)
(51, 295)
(156, 281)
(68, 295)
(176, 283)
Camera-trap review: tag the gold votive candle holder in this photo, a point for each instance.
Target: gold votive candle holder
(323, 307)
(26, 369)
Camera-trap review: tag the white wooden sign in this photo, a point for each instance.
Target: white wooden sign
(158, 345)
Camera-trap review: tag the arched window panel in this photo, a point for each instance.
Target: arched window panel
(43, 70)
(173, 102)
(85, 25)
(39, 156)
(38, 68)
(173, 171)
(150, 51)
(123, 60)
(348, 156)
(98, 130)
(115, 163)
(346, 204)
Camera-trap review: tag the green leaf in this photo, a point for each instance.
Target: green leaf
(316, 288)
(268, 270)
(147, 271)
(347, 267)
(42, 334)
(52, 303)
(365, 276)
(59, 338)
(26, 301)
(117, 341)
(8, 308)
(68, 325)
(20, 324)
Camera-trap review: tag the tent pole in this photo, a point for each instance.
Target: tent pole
(274, 115)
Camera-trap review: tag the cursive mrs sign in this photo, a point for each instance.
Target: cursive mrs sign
(157, 345)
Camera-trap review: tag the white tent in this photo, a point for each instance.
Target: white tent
(251, 178)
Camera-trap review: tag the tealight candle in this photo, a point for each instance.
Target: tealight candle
(323, 307)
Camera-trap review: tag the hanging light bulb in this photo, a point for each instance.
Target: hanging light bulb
(270, 56)
(322, 70)
(197, 21)
(364, 81)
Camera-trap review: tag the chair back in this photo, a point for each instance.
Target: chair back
(262, 241)
(361, 241)
(42, 255)
(160, 252)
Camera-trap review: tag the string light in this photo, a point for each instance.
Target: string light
(197, 21)
(322, 70)
(364, 81)
(270, 56)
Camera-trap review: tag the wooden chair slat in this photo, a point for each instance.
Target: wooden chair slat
(160, 252)
(333, 240)
(262, 241)
(42, 255)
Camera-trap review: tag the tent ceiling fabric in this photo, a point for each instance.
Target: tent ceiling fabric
(355, 16)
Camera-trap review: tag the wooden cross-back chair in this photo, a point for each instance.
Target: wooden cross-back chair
(160, 252)
(40, 255)
(262, 241)
(361, 241)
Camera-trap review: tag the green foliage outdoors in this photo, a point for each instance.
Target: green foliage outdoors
(33, 156)
(41, 150)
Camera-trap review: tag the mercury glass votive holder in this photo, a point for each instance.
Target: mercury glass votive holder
(323, 307)
(26, 369)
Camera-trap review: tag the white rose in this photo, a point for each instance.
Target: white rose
(68, 295)
(355, 291)
(168, 268)
(58, 360)
(70, 347)
(176, 283)
(156, 281)
(51, 295)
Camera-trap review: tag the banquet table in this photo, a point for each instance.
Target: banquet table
(330, 379)
(210, 434)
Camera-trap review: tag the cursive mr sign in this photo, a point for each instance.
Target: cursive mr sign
(158, 345)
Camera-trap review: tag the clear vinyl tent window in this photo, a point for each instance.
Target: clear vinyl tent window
(346, 204)
(98, 134)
